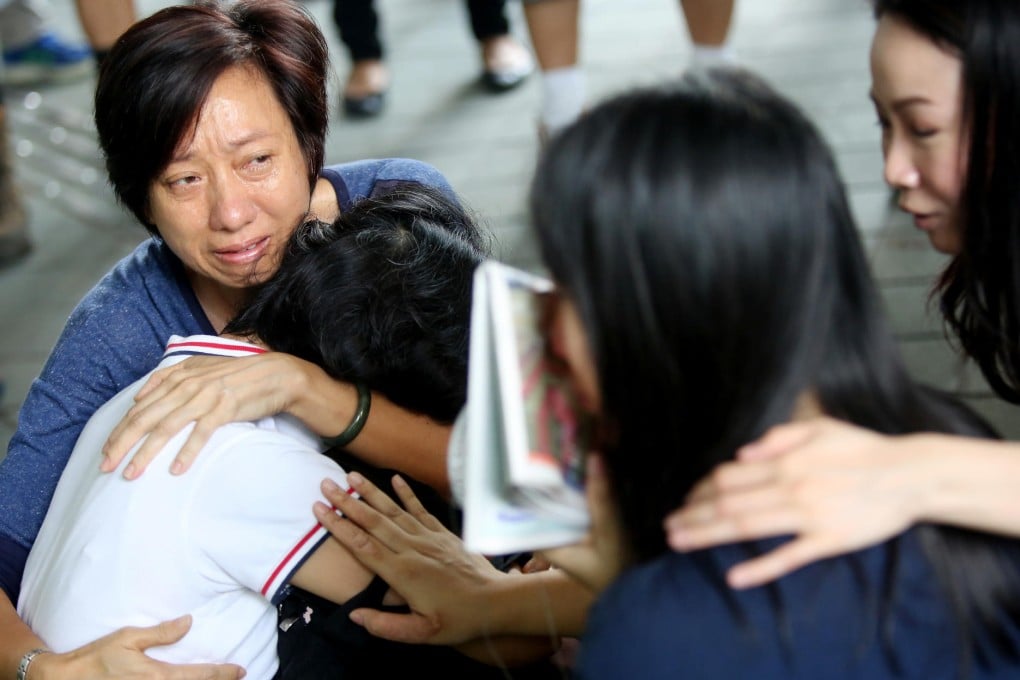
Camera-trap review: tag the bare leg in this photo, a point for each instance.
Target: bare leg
(14, 242)
(708, 22)
(553, 28)
(105, 20)
(553, 25)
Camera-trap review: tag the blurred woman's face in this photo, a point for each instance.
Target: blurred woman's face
(917, 89)
(235, 190)
(569, 342)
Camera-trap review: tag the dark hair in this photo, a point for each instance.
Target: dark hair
(703, 233)
(381, 296)
(157, 76)
(980, 288)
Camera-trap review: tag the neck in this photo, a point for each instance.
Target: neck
(220, 303)
(806, 407)
(324, 205)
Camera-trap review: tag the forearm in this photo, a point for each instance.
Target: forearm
(547, 603)
(392, 436)
(17, 638)
(510, 650)
(971, 483)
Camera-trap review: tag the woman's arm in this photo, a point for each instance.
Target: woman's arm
(213, 391)
(455, 596)
(838, 488)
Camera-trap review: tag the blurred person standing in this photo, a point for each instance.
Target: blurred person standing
(505, 62)
(33, 52)
(14, 241)
(553, 26)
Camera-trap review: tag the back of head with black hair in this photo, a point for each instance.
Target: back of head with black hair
(703, 233)
(154, 81)
(980, 288)
(381, 297)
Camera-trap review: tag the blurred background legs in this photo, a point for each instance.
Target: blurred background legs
(33, 52)
(553, 26)
(14, 240)
(708, 22)
(505, 62)
(103, 22)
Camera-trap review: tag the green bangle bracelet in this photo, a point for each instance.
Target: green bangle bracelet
(357, 422)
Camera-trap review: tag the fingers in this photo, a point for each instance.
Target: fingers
(155, 380)
(389, 515)
(165, 633)
(368, 534)
(778, 440)
(779, 562)
(409, 628)
(731, 476)
(536, 564)
(201, 672)
(145, 416)
(725, 529)
(358, 541)
(414, 506)
(196, 441)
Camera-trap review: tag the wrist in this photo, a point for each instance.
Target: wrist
(33, 663)
(919, 467)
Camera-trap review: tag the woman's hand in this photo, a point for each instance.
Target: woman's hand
(835, 486)
(121, 654)
(209, 391)
(427, 565)
(596, 561)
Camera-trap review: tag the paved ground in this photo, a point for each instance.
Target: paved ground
(813, 50)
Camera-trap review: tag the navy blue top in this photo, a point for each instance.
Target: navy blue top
(675, 618)
(115, 335)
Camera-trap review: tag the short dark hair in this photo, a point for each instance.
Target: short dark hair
(980, 288)
(381, 296)
(703, 233)
(158, 74)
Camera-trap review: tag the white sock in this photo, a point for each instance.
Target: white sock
(562, 97)
(706, 56)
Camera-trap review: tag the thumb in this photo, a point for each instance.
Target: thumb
(408, 628)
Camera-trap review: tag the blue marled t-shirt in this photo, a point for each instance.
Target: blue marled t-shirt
(114, 336)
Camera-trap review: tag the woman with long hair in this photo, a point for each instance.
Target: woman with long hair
(712, 286)
(946, 89)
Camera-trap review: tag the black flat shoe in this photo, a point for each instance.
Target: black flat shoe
(369, 106)
(502, 80)
(505, 63)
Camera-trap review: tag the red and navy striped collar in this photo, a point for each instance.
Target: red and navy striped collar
(209, 345)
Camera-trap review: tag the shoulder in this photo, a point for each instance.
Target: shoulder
(676, 616)
(144, 281)
(372, 177)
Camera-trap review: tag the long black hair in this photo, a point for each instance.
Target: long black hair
(381, 296)
(979, 291)
(703, 233)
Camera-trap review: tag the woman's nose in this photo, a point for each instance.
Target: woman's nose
(233, 204)
(900, 171)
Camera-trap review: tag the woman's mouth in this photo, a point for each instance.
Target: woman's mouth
(244, 253)
(925, 222)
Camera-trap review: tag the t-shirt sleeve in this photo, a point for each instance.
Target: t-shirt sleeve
(252, 513)
(375, 177)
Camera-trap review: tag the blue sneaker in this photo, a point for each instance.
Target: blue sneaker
(47, 59)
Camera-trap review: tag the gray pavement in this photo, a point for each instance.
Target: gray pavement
(815, 51)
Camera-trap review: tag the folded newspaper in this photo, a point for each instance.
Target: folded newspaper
(521, 438)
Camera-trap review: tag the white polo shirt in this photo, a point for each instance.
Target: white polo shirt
(219, 542)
